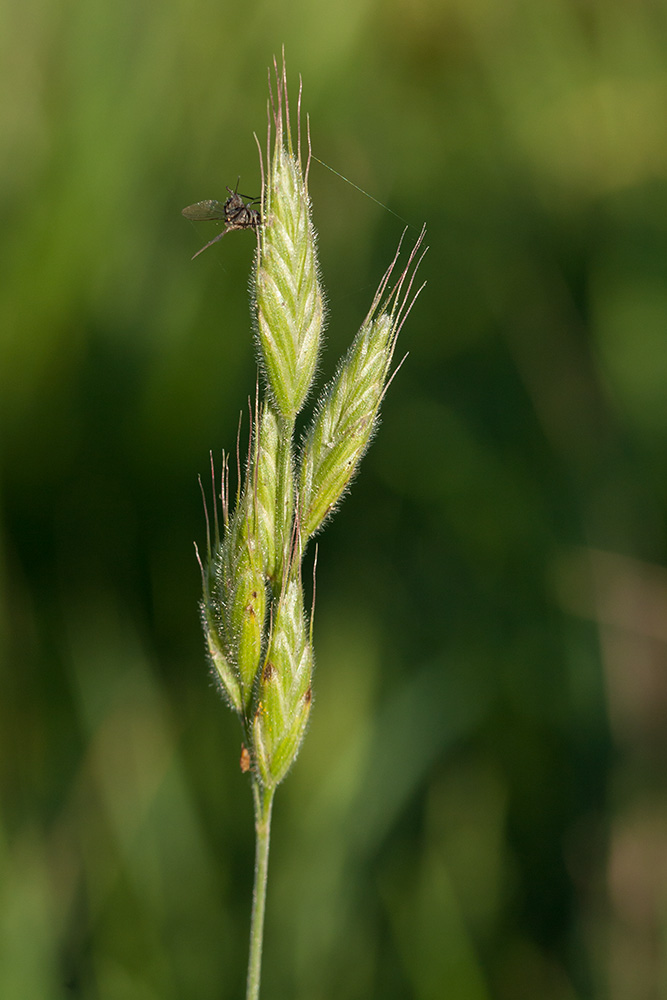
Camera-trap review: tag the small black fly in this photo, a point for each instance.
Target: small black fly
(235, 213)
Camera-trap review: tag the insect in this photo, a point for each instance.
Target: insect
(235, 213)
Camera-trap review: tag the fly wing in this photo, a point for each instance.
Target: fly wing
(204, 211)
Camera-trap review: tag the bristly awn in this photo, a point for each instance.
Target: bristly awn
(362, 191)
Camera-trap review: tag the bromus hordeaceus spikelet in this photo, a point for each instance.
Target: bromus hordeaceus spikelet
(258, 631)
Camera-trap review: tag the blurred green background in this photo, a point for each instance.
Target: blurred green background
(480, 808)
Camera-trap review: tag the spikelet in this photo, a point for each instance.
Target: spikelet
(234, 604)
(265, 489)
(284, 689)
(347, 413)
(290, 309)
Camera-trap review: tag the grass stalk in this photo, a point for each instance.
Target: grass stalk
(259, 634)
(263, 798)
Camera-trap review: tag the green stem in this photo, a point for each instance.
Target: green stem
(263, 804)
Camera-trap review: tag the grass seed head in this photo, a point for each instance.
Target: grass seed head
(289, 301)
